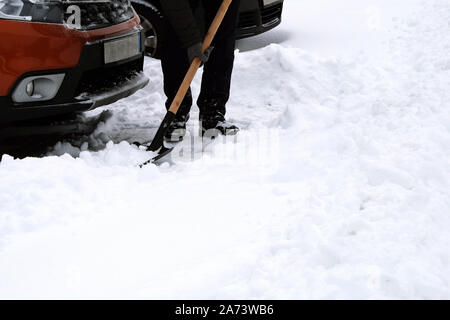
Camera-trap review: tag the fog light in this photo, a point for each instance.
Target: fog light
(30, 88)
(38, 88)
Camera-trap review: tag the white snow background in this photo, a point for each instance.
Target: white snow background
(338, 185)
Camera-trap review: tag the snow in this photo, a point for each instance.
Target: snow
(337, 186)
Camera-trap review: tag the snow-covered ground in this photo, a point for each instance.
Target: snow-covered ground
(338, 185)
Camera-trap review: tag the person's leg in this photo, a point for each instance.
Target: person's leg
(174, 63)
(216, 81)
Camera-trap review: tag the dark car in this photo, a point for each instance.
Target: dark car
(256, 17)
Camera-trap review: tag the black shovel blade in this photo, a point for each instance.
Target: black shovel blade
(158, 140)
(161, 154)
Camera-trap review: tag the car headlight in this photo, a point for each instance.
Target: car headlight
(49, 11)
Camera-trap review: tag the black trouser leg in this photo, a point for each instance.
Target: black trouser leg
(216, 81)
(174, 64)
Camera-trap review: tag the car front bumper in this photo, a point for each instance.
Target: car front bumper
(90, 84)
(256, 17)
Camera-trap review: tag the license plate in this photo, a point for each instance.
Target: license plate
(122, 48)
(268, 2)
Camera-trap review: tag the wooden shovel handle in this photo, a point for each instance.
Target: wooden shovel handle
(196, 63)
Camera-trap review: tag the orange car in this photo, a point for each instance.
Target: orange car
(63, 56)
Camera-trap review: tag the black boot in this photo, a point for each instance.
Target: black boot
(177, 130)
(214, 124)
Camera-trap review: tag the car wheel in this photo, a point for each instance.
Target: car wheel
(152, 23)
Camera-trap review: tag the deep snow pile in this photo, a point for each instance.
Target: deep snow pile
(338, 186)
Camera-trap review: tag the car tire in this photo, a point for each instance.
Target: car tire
(152, 21)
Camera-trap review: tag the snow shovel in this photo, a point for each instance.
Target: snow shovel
(158, 141)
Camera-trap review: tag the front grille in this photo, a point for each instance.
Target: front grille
(103, 79)
(271, 14)
(248, 20)
(97, 14)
